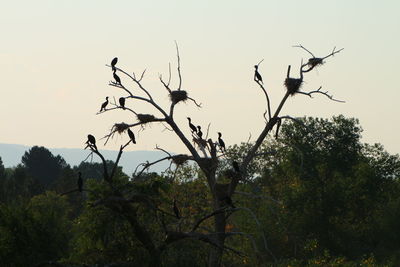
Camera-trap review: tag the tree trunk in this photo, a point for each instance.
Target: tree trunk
(216, 253)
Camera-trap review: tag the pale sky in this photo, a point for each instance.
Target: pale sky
(54, 78)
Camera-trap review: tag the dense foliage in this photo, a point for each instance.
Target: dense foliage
(318, 196)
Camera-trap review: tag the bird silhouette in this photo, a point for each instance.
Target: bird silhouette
(257, 75)
(122, 102)
(131, 136)
(117, 79)
(221, 142)
(199, 132)
(80, 182)
(104, 105)
(192, 127)
(113, 62)
(235, 165)
(91, 141)
(176, 210)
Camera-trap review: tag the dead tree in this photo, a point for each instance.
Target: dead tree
(208, 160)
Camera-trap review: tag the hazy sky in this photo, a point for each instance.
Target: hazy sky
(54, 78)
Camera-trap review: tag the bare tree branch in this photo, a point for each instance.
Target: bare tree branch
(265, 93)
(148, 165)
(179, 66)
(197, 224)
(194, 101)
(318, 91)
(141, 76)
(315, 61)
(305, 49)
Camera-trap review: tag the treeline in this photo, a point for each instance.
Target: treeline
(318, 197)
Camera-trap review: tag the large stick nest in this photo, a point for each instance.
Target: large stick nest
(315, 61)
(180, 159)
(293, 85)
(145, 118)
(178, 95)
(121, 127)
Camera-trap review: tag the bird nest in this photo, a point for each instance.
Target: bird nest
(121, 127)
(145, 118)
(178, 95)
(315, 61)
(180, 159)
(293, 85)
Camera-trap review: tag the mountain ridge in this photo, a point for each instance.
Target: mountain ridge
(11, 155)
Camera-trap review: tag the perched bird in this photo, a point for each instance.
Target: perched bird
(80, 181)
(117, 79)
(221, 142)
(104, 105)
(91, 141)
(199, 132)
(176, 210)
(257, 75)
(235, 165)
(131, 136)
(192, 127)
(113, 62)
(122, 102)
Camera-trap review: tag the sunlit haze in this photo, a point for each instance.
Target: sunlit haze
(53, 57)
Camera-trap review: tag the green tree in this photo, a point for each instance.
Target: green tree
(3, 182)
(42, 165)
(328, 187)
(20, 185)
(102, 235)
(34, 232)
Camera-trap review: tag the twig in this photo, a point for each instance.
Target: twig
(166, 128)
(260, 62)
(316, 59)
(248, 139)
(197, 224)
(117, 107)
(169, 74)
(117, 160)
(300, 46)
(90, 155)
(266, 95)
(194, 101)
(208, 130)
(318, 91)
(165, 85)
(141, 76)
(148, 165)
(133, 78)
(163, 150)
(179, 66)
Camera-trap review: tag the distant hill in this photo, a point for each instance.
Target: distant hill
(11, 156)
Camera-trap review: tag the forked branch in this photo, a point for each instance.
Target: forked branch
(260, 83)
(318, 91)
